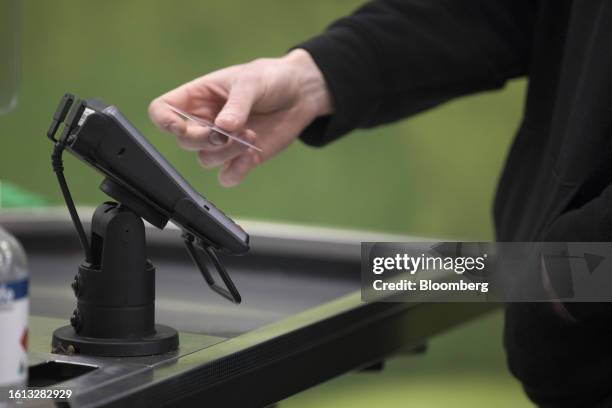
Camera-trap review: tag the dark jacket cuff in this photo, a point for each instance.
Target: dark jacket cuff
(347, 61)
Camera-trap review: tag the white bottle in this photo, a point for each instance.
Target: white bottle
(13, 315)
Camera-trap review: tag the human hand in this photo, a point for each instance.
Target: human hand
(267, 102)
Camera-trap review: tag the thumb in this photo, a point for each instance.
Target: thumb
(235, 112)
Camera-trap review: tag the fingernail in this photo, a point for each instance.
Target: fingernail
(174, 128)
(217, 139)
(226, 180)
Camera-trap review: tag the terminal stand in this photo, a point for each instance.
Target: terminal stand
(115, 313)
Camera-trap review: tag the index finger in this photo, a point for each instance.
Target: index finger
(163, 117)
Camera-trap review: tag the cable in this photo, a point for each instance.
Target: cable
(58, 168)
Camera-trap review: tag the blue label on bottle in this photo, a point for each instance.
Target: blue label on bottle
(14, 290)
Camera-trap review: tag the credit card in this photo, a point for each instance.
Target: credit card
(211, 126)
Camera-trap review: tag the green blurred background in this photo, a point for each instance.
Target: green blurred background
(432, 175)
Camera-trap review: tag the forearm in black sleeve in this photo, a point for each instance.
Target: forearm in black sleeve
(393, 58)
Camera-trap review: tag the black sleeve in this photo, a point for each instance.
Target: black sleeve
(393, 58)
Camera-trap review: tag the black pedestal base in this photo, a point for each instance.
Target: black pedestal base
(67, 341)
